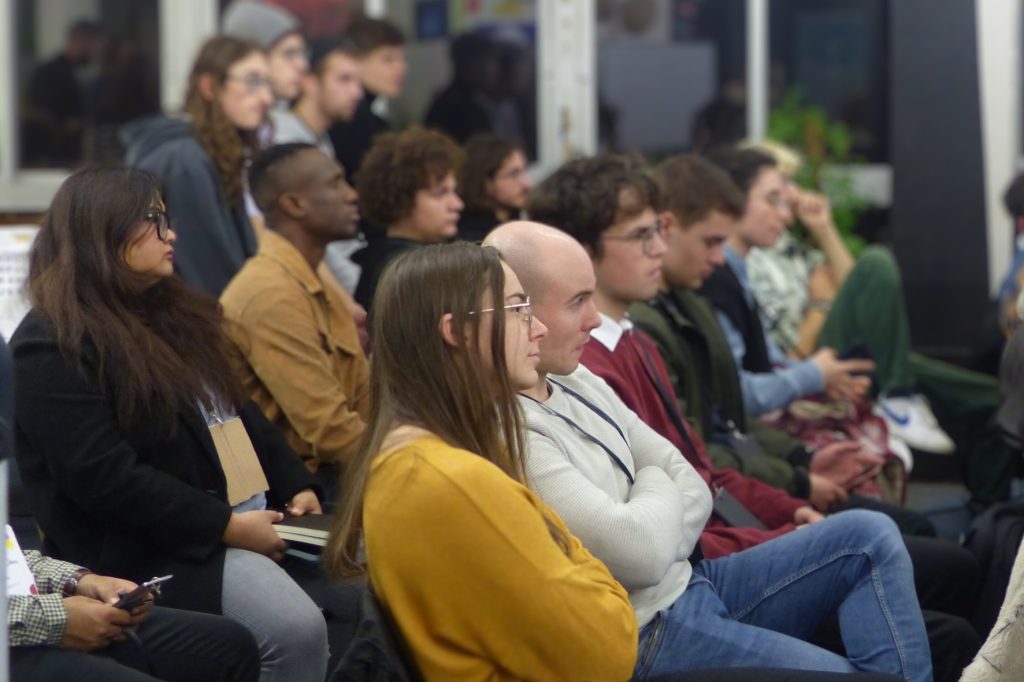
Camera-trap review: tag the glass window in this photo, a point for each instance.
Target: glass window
(671, 74)
(85, 68)
(833, 55)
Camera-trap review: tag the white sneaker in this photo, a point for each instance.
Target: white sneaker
(910, 419)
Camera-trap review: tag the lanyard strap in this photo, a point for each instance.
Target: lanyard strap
(586, 434)
(647, 362)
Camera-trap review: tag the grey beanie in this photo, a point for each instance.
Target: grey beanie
(261, 23)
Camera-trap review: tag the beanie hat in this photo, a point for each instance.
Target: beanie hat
(262, 24)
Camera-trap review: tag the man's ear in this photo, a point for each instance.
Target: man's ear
(292, 205)
(207, 85)
(668, 219)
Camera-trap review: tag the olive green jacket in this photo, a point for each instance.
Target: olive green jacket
(704, 374)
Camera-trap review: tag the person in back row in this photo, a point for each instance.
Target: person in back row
(482, 578)
(303, 364)
(493, 183)
(379, 49)
(136, 444)
(407, 191)
(200, 159)
(640, 506)
(330, 92)
(279, 35)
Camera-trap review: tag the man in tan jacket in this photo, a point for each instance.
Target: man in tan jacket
(303, 363)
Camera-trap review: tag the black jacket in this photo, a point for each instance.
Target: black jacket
(214, 238)
(372, 259)
(725, 292)
(352, 139)
(131, 504)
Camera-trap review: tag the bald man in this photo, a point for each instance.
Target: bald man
(557, 273)
(618, 518)
(303, 363)
(641, 507)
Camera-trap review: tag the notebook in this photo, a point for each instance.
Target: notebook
(309, 529)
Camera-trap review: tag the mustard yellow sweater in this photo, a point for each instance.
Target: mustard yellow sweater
(462, 558)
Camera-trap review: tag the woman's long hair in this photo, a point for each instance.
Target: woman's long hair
(418, 379)
(226, 144)
(160, 347)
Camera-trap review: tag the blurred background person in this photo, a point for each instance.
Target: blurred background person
(201, 156)
(493, 184)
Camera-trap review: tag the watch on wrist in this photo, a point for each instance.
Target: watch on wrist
(71, 586)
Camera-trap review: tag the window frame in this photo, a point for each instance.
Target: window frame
(184, 25)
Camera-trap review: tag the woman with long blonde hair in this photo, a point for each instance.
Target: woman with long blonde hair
(483, 579)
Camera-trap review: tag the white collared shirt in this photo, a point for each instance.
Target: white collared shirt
(610, 332)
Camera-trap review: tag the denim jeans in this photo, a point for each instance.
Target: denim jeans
(289, 628)
(757, 607)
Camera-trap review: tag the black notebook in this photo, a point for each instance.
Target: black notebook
(310, 529)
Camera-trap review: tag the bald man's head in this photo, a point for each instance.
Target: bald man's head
(533, 251)
(556, 272)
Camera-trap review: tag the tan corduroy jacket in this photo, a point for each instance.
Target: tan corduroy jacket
(303, 364)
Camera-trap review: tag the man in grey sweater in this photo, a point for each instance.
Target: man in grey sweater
(640, 507)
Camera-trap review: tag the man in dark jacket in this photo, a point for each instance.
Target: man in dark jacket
(701, 205)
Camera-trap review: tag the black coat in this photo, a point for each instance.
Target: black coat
(130, 504)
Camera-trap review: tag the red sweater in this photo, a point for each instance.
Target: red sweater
(624, 371)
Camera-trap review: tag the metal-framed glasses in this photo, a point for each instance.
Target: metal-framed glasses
(523, 311)
(159, 219)
(645, 235)
(252, 82)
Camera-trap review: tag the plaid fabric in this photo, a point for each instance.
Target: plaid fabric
(40, 620)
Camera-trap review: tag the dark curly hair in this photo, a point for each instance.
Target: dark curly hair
(485, 154)
(397, 166)
(227, 146)
(587, 196)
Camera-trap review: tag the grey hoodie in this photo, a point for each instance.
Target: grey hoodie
(214, 238)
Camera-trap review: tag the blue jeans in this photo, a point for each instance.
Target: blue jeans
(757, 607)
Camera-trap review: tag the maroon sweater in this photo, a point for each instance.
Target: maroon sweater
(624, 370)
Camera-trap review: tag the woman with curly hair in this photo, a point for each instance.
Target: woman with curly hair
(407, 190)
(201, 157)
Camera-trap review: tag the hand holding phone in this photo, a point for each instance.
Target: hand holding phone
(138, 596)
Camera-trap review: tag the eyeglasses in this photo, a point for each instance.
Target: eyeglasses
(523, 311)
(292, 54)
(644, 235)
(159, 219)
(252, 82)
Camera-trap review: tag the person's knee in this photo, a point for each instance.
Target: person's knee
(301, 632)
(879, 261)
(872, 532)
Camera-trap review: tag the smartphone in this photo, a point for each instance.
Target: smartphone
(135, 598)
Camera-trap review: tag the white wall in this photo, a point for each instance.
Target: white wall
(999, 59)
